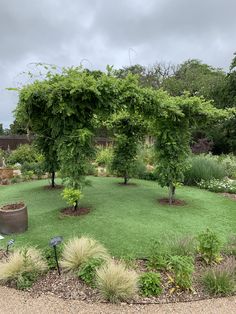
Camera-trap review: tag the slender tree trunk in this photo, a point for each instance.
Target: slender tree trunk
(171, 193)
(126, 178)
(75, 206)
(53, 179)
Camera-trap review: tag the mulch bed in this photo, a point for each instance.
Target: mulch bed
(165, 201)
(68, 287)
(69, 211)
(12, 206)
(56, 187)
(129, 184)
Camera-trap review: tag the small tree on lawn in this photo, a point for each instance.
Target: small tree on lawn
(75, 152)
(129, 131)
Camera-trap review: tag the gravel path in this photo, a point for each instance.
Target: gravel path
(16, 302)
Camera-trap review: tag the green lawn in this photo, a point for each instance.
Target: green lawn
(125, 219)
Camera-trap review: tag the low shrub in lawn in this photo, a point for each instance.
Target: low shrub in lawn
(221, 279)
(150, 284)
(182, 268)
(203, 167)
(209, 246)
(87, 271)
(23, 267)
(116, 282)
(79, 250)
(223, 186)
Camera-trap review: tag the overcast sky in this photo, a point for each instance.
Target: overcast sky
(115, 32)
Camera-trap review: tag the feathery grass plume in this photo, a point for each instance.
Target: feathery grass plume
(221, 280)
(79, 250)
(22, 261)
(116, 282)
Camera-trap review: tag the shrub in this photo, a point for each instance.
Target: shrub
(203, 167)
(224, 186)
(209, 246)
(49, 256)
(116, 282)
(72, 196)
(24, 153)
(229, 163)
(182, 268)
(221, 279)
(161, 250)
(104, 156)
(37, 168)
(158, 257)
(79, 250)
(150, 284)
(23, 267)
(146, 153)
(87, 271)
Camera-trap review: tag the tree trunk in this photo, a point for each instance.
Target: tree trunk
(126, 179)
(75, 206)
(53, 179)
(171, 193)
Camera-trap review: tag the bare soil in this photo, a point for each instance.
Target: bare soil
(176, 202)
(12, 206)
(56, 187)
(69, 211)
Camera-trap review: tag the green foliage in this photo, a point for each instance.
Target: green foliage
(209, 246)
(215, 185)
(49, 256)
(129, 132)
(87, 271)
(23, 267)
(24, 153)
(203, 167)
(182, 268)
(158, 257)
(230, 246)
(72, 196)
(36, 167)
(150, 284)
(75, 153)
(172, 149)
(26, 280)
(104, 156)
(181, 246)
(221, 280)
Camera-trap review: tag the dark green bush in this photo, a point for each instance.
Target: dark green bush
(150, 284)
(209, 246)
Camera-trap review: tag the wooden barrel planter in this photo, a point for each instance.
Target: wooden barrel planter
(13, 218)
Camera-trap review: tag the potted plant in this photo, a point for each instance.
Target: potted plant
(13, 218)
